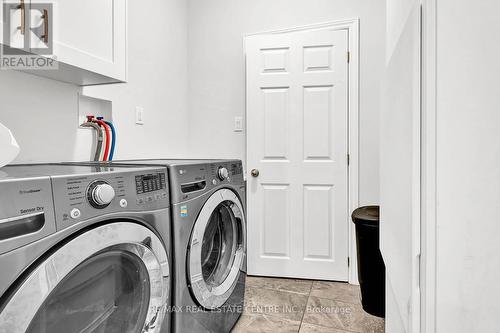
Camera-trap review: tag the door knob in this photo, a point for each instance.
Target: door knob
(254, 173)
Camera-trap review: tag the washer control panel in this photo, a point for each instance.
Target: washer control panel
(226, 172)
(189, 181)
(223, 173)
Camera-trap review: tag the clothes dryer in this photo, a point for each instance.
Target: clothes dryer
(84, 249)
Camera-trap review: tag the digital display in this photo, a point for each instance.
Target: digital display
(150, 183)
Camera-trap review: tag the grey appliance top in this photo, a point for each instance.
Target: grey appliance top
(39, 199)
(173, 162)
(25, 171)
(190, 178)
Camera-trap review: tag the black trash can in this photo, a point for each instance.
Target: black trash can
(371, 268)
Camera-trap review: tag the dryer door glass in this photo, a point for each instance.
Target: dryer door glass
(113, 278)
(217, 249)
(107, 293)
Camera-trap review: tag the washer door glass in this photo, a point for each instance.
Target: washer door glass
(219, 245)
(217, 249)
(108, 293)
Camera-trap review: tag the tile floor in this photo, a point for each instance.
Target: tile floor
(288, 305)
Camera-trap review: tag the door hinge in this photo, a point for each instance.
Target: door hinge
(348, 159)
(348, 57)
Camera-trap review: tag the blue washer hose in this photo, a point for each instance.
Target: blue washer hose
(113, 139)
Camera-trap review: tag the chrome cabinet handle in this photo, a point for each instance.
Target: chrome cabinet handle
(255, 173)
(22, 7)
(45, 18)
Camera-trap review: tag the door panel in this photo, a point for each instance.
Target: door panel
(318, 235)
(276, 127)
(276, 220)
(297, 139)
(318, 123)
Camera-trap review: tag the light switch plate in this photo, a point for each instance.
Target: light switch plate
(139, 115)
(238, 124)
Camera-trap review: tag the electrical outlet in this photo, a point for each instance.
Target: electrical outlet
(139, 115)
(238, 124)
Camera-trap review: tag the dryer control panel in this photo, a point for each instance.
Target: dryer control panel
(150, 182)
(108, 190)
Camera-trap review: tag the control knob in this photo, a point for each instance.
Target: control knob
(223, 173)
(101, 194)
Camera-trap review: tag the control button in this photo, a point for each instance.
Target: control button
(75, 213)
(149, 199)
(123, 203)
(140, 201)
(100, 194)
(157, 196)
(164, 195)
(222, 173)
(214, 181)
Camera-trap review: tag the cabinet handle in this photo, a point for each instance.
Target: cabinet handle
(22, 7)
(45, 17)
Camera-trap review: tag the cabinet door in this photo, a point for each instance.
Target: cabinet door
(88, 34)
(12, 19)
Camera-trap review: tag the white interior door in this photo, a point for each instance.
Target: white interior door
(297, 119)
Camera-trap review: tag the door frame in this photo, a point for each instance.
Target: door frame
(352, 28)
(428, 223)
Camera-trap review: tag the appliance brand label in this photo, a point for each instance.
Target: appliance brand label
(36, 190)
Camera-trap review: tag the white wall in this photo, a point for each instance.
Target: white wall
(467, 173)
(217, 70)
(400, 177)
(43, 113)
(158, 60)
(399, 165)
(468, 166)
(393, 320)
(397, 15)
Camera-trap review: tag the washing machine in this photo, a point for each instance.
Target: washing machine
(209, 242)
(84, 249)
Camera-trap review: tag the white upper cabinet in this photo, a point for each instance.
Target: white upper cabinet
(88, 38)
